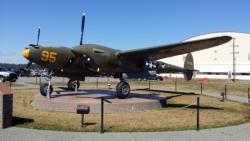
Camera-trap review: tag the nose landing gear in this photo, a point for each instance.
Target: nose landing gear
(46, 89)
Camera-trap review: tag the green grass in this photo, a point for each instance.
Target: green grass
(30, 117)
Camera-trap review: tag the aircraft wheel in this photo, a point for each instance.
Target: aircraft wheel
(44, 88)
(122, 90)
(71, 85)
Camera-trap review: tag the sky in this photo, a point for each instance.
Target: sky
(117, 24)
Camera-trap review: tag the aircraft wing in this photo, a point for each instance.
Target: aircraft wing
(165, 51)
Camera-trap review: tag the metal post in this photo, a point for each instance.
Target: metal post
(40, 82)
(96, 83)
(223, 96)
(10, 85)
(102, 116)
(36, 77)
(108, 77)
(175, 87)
(148, 84)
(82, 120)
(233, 60)
(88, 78)
(48, 93)
(76, 87)
(201, 88)
(48, 90)
(63, 79)
(225, 91)
(248, 97)
(198, 104)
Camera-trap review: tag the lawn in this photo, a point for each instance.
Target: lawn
(184, 119)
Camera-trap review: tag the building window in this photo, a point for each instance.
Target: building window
(215, 51)
(215, 59)
(249, 56)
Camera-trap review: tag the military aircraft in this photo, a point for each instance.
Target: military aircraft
(89, 59)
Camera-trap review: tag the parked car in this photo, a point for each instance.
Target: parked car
(44, 73)
(22, 72)
(34, 73)
(6, 75)
(157, 78)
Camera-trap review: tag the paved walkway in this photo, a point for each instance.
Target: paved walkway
(239, 132)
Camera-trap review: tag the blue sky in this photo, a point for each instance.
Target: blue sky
(118, 24)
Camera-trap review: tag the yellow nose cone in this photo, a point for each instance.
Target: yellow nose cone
(26, 53)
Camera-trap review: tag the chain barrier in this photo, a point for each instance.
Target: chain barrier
(213, 88)
(224, 105)
(236, 92)
(46, 108)
(150, 112)
(223, 88)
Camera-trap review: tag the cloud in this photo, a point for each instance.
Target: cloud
(7, 61)
(11, 53)
(21, 61)
(4, 54)
(18, 53)
(11, 60)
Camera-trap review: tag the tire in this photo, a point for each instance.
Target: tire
(71, 85)
(2, 79)
(43, 89)
(13, 81)
(122, 90)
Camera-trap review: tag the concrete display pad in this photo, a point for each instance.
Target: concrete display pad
(67, 101)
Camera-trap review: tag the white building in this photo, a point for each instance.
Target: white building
(217, 62)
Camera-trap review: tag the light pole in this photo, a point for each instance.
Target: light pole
(234, 64)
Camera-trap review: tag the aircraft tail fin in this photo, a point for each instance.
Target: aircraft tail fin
(189, 67)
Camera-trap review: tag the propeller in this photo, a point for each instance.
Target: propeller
(37, 38)
(83, 21)
(71, 61)
(90, 62)
(29, 63)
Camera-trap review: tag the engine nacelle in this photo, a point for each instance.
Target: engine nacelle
(143, 74)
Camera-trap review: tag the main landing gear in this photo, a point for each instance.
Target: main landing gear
(72, 84)
(122, 90)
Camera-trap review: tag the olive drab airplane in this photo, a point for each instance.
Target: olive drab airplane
(89, 59)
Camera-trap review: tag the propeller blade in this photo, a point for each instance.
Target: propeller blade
(38, 36)
(90, 61)
(71, 61)
(32, 45)
(28, 64)
(83, 21)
